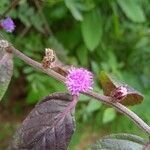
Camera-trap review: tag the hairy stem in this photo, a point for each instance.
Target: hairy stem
(105, 99)
(122, 109)
(37, 65)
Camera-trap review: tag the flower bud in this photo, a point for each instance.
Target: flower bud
(7, 24)
(119, 93)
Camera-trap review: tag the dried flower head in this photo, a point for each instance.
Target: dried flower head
(8, 24)
(119, 93)
(79, 80)
(49, 58)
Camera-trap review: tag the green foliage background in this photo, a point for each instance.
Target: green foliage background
(110, 35)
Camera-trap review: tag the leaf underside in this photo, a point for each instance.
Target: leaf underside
(37, 131)
(6, 71)
(109, 83)
(120, 141)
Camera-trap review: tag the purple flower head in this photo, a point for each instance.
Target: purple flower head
(79, 80)
(119, 93)
(8, 24)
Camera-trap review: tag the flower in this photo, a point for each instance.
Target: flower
(119, 93)
(8, 24)
(79, 80)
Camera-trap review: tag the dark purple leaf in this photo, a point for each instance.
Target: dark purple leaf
(109, 83)
(37, 131)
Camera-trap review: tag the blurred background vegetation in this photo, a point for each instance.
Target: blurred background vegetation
(110, 35)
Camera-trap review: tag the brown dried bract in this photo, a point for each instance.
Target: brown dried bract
(51, 61)
(49, 58)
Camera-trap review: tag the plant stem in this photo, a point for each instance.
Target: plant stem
(105, 99)
(122, 109)
(37, 65)
(48, 29)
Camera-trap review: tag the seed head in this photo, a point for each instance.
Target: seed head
(8, 24)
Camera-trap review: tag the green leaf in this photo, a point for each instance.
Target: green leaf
(41, 83)
(37, 22)
(84, 98)
(3, 6)
(109, 115)
(109, 83)
(24, 19)
(93, 106)
(91, 28)
(132, 10)
(95, 67)
(74, 9)
(120, 141)
(6, 70)
(82, 53)
(25, 15)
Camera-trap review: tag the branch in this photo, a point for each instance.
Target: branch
(105, 99)
(122, 109)
(36, 64)
(43, 17)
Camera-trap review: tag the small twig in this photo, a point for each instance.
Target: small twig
(25, 31)
(43, 17)
(13, 4)
(105, 99)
